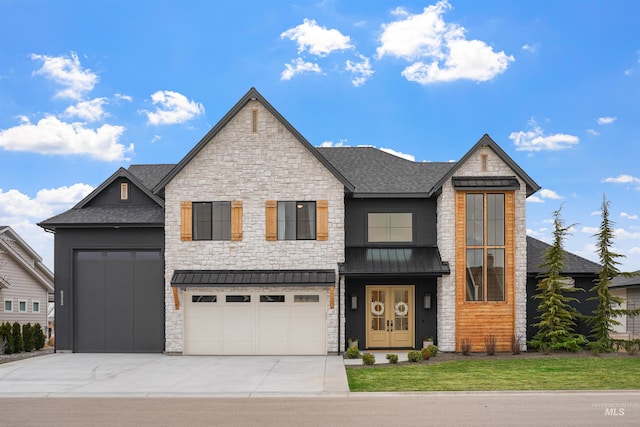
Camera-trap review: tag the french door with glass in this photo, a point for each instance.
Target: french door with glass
(390, 317)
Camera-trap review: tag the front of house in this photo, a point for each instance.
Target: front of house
(273, 246)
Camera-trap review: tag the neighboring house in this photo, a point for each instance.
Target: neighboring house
(627, 288)
(25, 282)
(580, 273)
(256, 242)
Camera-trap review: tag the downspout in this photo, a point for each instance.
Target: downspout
(340, 278)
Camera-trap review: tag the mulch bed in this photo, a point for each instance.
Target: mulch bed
(5, 358)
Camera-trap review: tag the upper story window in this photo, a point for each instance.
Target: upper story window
(389, 227)
(212, 221)
(485, 246)
(300, 220)
(8, 305)
(124, 191)
(296, 220)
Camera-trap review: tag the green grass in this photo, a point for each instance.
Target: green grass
(517, 374)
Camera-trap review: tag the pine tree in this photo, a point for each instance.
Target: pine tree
(603, 319)
(557, 318)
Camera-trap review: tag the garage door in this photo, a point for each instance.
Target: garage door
(252, 321)
(119, 302)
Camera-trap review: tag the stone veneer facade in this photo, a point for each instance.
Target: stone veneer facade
(252, 167)
(446, 245)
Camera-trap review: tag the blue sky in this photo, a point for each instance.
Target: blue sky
(86, 87)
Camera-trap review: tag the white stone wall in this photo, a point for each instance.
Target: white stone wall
(446, 245)
(253, 168)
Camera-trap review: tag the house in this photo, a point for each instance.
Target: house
(627, 288)
(580, 273)
(25, 282)
(257, 242)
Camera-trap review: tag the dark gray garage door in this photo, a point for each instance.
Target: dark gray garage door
(119, 302)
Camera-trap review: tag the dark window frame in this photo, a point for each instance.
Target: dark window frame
(391, 242)
(300, 227)
(211, 221)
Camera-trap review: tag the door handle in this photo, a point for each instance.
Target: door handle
(390, 325)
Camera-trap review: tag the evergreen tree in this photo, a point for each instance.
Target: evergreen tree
(16, 332)
(38, 336)
(557, 318)
(603, 319)
(27, 337)
(5, 334)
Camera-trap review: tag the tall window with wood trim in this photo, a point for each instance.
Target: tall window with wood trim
(254, 121)
(485, 246)
(124, 191)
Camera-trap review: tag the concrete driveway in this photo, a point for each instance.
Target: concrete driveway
(140, 375)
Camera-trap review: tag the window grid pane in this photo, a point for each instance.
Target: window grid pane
(221, 213)
(475, 219)
(202, 226)
(286, 220)
(475, 274)
(495, 219)
(306, 218)
(390, 227)
(495, 275)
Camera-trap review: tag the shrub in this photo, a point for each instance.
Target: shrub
(16, 333)
(426, 354)
(414, 356)
(490, 344)
(38, 336)
(392, 358)
(3, 344)
(352, 352)
(465, 346)
(368, 359)
(516, 344)
(5, 333)
(27, 337)
(433, 350)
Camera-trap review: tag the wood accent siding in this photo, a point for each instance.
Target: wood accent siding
(322, 220)
(186, 221)
(271, 216)
(236, 220)
(475, 320)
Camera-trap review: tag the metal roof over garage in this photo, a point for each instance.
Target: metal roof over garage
(205, 278)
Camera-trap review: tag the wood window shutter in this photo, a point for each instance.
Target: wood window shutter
(332, 297)
(272, 219)
(186, 221)
(176, 298)
(236, 220)
(322, 220)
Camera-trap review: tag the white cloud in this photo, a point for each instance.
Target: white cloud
(439, 51)
(172, 108)
(534, 199)
(123, 97)
(593, 132)
(399, 154)
(52, 136)
(155, 138)
(362, 70)
(533, 48)
(628, 216)
(91, 111)
(621, 233)
(596, 213)
(299, 66)
(590, 230)
(549, 194)
(606, 120)
(535, 139)
(623, 179)
(341, 143)
(540, 235)
(21, 212)
(67, 72)
(634, 250)
(315, 39)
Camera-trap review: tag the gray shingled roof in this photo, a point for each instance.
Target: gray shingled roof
(573, 264)
(150, 175)
(374, 172)
(108, 215)
(622, 282)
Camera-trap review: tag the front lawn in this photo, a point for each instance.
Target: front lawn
(544, 373)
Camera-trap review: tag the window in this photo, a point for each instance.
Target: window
(271, 298)
(296, 220)
(212, 221)
(390, 227)
(124, 191)
(22, 306)
(254, 121)
(485, 247)
(8, 305)
(306, 298)
(238, 298)
(204, 298)
(35, 306)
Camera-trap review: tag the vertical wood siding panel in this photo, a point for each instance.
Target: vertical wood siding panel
(186, 219)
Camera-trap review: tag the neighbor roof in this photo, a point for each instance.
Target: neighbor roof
(623, 282)
(573, 264)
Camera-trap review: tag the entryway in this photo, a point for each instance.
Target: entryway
(390, 317)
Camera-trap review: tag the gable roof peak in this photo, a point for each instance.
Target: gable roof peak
(251, 95)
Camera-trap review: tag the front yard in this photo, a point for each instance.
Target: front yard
(533, 372)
